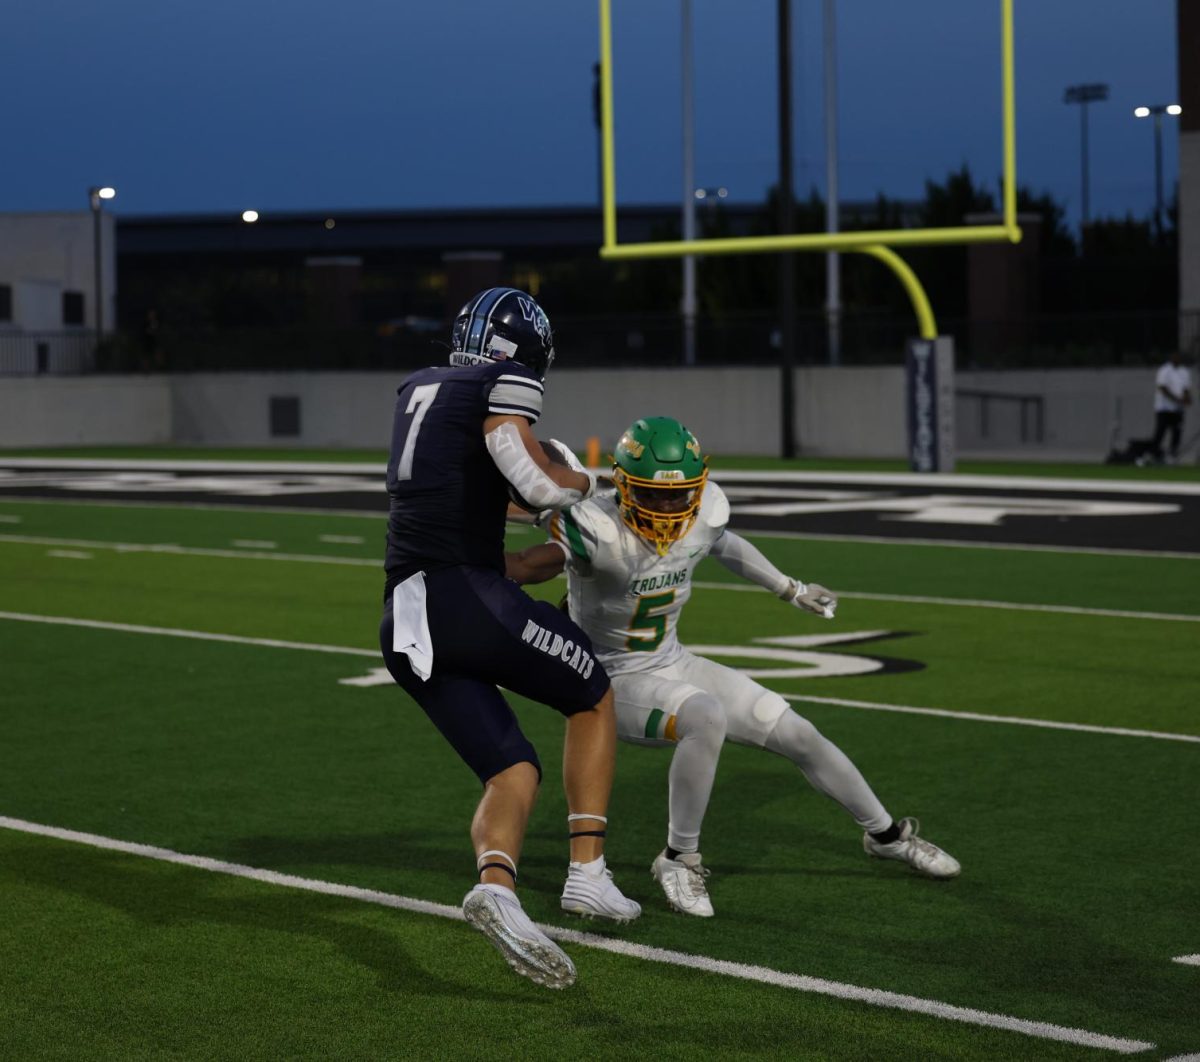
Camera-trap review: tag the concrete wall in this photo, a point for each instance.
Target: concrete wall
(844, 412)
(87, 410)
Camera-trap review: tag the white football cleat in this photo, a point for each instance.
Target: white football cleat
(497, 913)
(593, 895)
(682, 880)
(917, 852)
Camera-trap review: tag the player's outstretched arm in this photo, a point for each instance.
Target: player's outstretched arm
(744, 559)
(522, 460)
(535, 564)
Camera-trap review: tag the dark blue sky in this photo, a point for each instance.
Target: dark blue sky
(190, 106)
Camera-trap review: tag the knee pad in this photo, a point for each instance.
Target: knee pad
(767, 711)
(701, 715)
(793, 736)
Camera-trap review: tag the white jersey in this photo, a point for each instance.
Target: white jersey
(1176, 379)
(621, 592)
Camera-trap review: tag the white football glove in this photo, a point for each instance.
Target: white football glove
(812, 597)
(573, 463)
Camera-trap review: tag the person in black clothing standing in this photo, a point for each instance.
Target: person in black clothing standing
(454, 628)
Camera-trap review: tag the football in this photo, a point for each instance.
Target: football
(555, 459)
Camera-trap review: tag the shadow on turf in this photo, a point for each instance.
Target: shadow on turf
(179, 896)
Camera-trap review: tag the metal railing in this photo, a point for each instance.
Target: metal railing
(43, 353)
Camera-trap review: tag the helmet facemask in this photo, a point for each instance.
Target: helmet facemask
(660, 473)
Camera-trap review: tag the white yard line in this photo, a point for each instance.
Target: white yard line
(954, 543)
(760, 974)
(274, 643)
(1187, 960)
(192, 551)
(981, 717)
(69, 554)
(342, 540)
(254, 543)
(1014, 606)
(874, 540)
(364, 562)
(174, 632)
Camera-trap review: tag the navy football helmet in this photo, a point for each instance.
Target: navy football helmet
(499, 324)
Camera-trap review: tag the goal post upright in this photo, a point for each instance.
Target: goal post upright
(843, 241)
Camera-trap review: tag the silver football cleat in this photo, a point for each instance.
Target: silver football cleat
(917, 852)
(682, 881)
(498, 915)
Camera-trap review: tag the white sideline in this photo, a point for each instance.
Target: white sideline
(275, 643)
(761, 974)
(364, 562)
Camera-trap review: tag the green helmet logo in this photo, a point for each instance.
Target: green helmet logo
(660, 472)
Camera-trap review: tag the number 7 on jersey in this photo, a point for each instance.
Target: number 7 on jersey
(418, 406)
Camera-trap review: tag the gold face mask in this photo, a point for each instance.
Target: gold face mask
(660, 510)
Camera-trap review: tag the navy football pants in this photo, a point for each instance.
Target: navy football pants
(487, 632)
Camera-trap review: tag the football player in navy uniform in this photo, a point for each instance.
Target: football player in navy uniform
(630, 555)
(454, 628)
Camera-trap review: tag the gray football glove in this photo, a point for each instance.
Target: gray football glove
(812, 597)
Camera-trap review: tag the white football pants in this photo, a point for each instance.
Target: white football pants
(696, 705)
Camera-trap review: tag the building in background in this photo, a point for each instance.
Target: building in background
(48, 274)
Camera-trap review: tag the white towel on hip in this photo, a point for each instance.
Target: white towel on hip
(410, 627)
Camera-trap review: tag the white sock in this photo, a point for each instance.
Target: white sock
(595, 868)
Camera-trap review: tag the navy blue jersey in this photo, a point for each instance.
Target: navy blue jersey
(448, 498)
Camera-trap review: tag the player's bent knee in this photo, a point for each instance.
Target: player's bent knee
(701, 716)
(793, 735)
(512, 751)
(767, 712)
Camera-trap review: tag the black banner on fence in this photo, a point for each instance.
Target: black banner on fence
(930, 401)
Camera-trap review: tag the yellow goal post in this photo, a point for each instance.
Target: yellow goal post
(877, 242)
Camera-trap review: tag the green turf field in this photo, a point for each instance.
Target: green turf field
(1079, 882)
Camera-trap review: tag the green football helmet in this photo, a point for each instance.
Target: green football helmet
(659, 471)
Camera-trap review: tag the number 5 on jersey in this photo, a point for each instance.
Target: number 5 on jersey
(645, 619)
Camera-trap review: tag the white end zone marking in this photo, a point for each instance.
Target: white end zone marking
(761, 974)
(1187, 960)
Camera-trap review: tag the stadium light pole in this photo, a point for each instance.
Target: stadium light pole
(1157, 111)
(787, 259)
(688, 302)
(97, 194)
(833, 285)
(1083, 95)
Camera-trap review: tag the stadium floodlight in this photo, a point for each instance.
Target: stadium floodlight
(1158, 110)
(96, 195)
(1095, 92)
(249, 216)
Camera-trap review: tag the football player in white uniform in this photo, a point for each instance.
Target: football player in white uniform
(629, 555)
